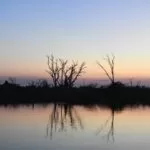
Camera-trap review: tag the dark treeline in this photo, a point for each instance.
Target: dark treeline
(115, 95)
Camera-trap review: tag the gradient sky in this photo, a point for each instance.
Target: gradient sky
(84, 30)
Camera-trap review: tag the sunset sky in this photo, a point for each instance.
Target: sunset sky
(83, 30)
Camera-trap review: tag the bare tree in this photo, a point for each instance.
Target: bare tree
(111, 62)
(53, 69)
(62, 73)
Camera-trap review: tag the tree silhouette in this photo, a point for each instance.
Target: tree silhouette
(111, 62)
(62, 73)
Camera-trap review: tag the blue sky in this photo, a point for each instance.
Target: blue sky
(84, 30)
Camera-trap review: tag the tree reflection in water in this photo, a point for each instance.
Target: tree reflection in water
(109, 127)
(61, 118)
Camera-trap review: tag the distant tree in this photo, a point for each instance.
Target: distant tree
(31, 84)
(12, 80)
(62, 73)
(131, 82)
(42, 83)
(111, 62)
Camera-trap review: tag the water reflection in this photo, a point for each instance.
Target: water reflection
(65, 116)
(113, 123)
(61, 118)
(109, 126)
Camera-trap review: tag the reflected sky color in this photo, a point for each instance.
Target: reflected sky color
(25, 128)
(84, 30)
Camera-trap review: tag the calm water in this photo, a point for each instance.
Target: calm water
(63, 127)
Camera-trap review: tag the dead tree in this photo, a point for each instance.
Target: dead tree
(111, 62)
(72, 73)
(53, 69)
(62, 73)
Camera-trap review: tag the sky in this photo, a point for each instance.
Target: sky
(83, 30)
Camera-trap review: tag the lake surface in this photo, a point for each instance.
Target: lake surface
(66, 127)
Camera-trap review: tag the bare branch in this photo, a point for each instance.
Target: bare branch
(105, 71)
(111, 63)
(62, 73)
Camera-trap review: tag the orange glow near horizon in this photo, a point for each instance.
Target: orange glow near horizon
(122, 70)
